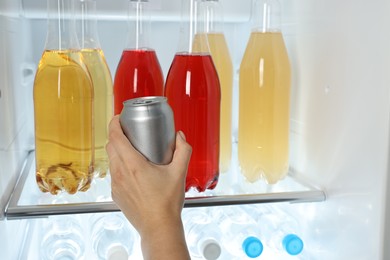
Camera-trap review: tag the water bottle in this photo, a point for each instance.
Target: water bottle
(284, 237)
(292, 244)
(112, 236)
(281, 229)
(62, 239)
(117, 252)
(240, 233)
(202, 235)
(252, 247)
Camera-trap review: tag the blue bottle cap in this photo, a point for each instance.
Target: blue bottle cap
(252, 247)
(292, 244)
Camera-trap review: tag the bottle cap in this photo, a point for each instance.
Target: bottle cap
(117, 252)
(211, 249)
(252, 247)
(292, 244)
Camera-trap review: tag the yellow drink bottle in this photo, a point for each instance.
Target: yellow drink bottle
(63, 109)
(96, 64)
(264, 102)
(220, 54)
(103, 110)
(213, 22)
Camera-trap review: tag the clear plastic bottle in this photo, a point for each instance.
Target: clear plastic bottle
(292, 244)
(264, 98)
(112, 237)
(203, 236)
(241, 235)
(193, 91)
(62, 239)
(63, 108)
(281, 230)
(100, 74)
(284, 234)
(139, 72)
(252, 247)
(117, 252)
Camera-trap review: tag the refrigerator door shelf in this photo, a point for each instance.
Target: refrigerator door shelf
(27, 201)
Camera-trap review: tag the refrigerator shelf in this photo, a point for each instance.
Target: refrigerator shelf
(27, 201)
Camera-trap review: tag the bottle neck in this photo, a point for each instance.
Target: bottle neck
(87, 24)
(212, 15)
(139, 24)
(61, 31)
(193, 39)
(266, 16)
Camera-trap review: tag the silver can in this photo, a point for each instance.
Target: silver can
(148, 123)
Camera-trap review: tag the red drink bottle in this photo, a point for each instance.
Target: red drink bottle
(139, 72)
(193, 92)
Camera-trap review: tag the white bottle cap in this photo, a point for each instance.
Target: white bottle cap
(117, 252)
(211, 249)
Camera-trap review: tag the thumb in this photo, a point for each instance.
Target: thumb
(182, 154)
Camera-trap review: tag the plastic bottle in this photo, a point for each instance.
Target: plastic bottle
(241, 235)
(213, 14)
(62, 239)
(193, 91)
(63, 108)
(252, 247)
(292, 244)
(203, 236)
(100, 74)
(112, 237)
(280, 229)
(139, 72)
(285, 234)
(117, 253)
(264, 98)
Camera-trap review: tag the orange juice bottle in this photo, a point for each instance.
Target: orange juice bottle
(264, 102)
(63, 108)
(213, 23)
(100, 74)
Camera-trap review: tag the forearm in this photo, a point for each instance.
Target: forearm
(165, 241)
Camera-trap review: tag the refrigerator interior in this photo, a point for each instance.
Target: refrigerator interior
(340, 58)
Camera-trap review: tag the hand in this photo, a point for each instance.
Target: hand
(151, 196)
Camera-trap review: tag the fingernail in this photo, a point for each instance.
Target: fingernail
(182, 135)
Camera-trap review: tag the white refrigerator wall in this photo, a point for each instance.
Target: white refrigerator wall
(340, 58)
(16, 117)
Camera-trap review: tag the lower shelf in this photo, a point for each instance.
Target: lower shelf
(27, 201)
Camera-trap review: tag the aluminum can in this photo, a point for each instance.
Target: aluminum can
(149, 125)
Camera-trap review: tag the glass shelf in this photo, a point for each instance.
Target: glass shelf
(27, 201)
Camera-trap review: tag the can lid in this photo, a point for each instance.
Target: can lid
(293, 244)
(144, 101)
